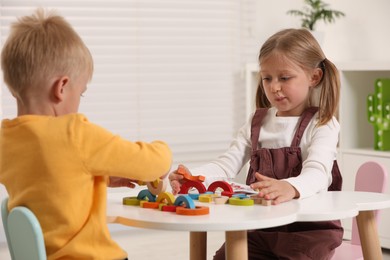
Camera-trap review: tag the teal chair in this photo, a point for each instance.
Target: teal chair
(23, 232)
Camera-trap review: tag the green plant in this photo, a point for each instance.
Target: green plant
(314, 11)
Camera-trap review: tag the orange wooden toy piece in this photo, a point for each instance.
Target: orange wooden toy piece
(187, 175)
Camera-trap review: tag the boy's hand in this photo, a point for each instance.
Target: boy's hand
(116, 182)
(273, 189)
(176, 180)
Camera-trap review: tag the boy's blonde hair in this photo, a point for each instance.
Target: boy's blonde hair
(301, 48)
(39, 48)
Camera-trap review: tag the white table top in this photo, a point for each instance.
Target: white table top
(321, 207)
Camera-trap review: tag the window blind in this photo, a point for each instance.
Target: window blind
(163, 69)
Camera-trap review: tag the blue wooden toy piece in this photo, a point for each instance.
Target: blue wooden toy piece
(186, 200)
(146, 195)
(240, 195)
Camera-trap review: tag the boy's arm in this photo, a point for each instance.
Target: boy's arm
(106, 154)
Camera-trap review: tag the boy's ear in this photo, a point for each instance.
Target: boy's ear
(58, 88)
(316, 77)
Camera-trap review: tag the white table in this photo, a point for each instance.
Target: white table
(236, 220)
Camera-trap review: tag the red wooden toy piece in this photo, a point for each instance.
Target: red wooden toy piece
(220, 184)
(186, 186)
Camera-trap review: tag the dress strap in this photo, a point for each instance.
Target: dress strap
(256, 125)
(303, 122)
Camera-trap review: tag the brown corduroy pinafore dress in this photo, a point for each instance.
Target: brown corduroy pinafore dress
(300, 240)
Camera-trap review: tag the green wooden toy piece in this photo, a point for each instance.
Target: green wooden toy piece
(378, 112)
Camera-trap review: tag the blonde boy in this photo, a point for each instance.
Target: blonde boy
(52, 159)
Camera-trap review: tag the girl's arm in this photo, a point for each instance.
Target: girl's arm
(230, 163)
(319, 151)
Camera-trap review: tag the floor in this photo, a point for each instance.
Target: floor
(142, 244)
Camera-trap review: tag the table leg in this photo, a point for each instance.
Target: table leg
(198, 245)
(368, 234)
(236, 246)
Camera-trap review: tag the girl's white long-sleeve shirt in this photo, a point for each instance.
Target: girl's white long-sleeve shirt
(318, 147)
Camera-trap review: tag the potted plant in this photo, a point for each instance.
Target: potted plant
(314, 11)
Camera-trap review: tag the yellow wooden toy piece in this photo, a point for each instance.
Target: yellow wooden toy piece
(208, 198)
(166, 197)
(241, 202)
(158, 186)
(131, 201)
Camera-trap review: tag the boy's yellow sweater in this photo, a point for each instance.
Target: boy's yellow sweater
(59, 167)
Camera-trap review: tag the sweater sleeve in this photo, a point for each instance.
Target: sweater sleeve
(318, 159)
(106, 154)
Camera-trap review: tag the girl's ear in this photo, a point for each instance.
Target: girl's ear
(316, 77)
(58, 88)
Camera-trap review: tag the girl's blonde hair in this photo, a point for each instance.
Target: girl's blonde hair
(301, 48)
(40, 47)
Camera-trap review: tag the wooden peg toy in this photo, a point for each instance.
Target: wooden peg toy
(186, 186)
(158, 186)
(198, 210)
(265, 202)
(226, 187)
(241, 202)
(146, 195)
(131, 201)
(186, 200)
(149, 205)
(256, 199)
(166, 197)
(168, 208)
(221, 199)
(206, 197)
(188, 176)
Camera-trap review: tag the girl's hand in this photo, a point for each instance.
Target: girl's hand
(273, 189)
(115, 182)
(176, 180)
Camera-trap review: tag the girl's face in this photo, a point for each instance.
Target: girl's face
(286, 85)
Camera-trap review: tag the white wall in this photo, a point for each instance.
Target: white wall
(363, 34)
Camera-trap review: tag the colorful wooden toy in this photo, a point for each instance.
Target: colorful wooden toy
(240, 195)
(241, 202)
(187, 175)
(166, 197)
(186, 186)
(193, 212)
(256, 199)
(131, 201)
(150, 205)
(157, 186)
(226, 187)
(227, 193)
(146, 195)
(221, 199)
(186, 200)
(206, 197)
(194, 196)
(265, 202)
(168, 208)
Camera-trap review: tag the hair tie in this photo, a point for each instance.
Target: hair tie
(322, 64)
